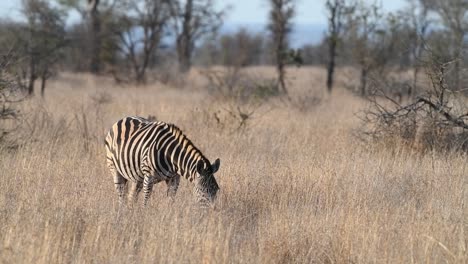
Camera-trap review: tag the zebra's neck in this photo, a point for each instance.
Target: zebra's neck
(191, 172)
(185, 155)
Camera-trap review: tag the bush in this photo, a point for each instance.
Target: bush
(437, 119)
(10, 98)
(234, 84)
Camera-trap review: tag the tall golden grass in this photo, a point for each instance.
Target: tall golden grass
(296, 186)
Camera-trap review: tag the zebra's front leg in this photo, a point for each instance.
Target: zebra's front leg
(172, 186)
(148, 183)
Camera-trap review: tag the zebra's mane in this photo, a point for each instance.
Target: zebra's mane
(183, 137)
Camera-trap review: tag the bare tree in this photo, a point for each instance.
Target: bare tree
(95, 26)
(440, 116)
(241, 48)
(453, 14)
(337, 11)
(94, 13)
(363, 32)
(192, 20)
(140, 26)
(281, 14)
(419, 22)
(43, 38)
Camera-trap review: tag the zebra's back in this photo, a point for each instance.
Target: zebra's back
(126, 144)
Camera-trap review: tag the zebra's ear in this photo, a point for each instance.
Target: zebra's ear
(201, 167)
(215, 165)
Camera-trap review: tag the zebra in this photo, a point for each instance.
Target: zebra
(143, 153)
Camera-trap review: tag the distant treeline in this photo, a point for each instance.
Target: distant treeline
(126, 38)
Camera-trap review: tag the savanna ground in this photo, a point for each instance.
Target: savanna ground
(296, 184)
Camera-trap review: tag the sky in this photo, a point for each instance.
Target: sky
(243, 11)
(307, 11)
(309, 23)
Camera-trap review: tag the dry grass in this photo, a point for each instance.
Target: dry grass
(295, 186)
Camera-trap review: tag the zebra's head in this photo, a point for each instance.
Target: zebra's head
(207, 187)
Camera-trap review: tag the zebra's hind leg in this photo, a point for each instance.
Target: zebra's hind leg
(148, 183)
(172, 186)
(134, 190)
(119, 181)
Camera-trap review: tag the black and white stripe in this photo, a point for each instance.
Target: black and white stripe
(144, 153)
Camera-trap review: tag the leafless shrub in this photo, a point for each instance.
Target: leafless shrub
(241, 95)
(235, 84)
(101, 97)
(223, 81)
(40, 125)
(86, 122)
(90, 118)
(11, 97)
(231, 117)
(82, 123)
(394, 86)
(241, 116)
(168, 74)
(119, 76)
(306, 103)
(436, 120)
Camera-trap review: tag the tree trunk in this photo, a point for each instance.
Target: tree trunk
(184, 59)
(31, 85)
(280, 65)
(43, 85)
(457, 74)
(32, 75)
(140, 76)
(95, 25)
(413, 88)
(364, 81)
(32, 60)
(331, 64)
(184, 41)
(281, 75)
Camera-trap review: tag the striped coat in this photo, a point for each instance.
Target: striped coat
(143, 153)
